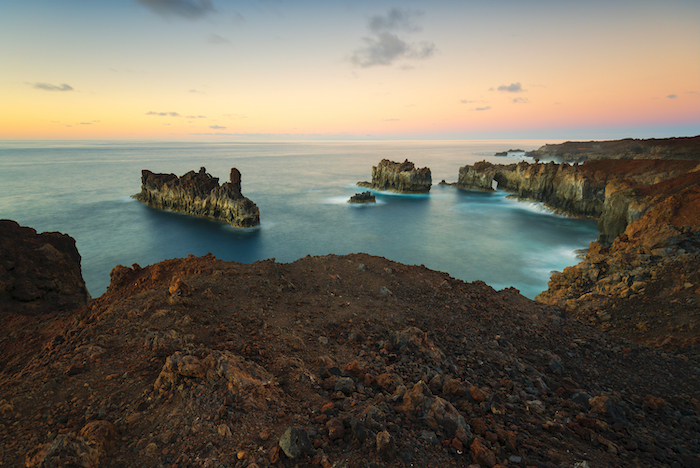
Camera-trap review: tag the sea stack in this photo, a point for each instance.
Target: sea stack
(199, 194)
(364, 197)
(399, 177)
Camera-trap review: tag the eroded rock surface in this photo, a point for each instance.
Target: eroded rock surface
(199, 194)
(39, 273)
(399, 177)
(200, 362)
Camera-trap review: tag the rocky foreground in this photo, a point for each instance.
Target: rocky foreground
(199, 194)
(335, 361)
(399, 177)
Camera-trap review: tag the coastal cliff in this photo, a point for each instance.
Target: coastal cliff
(609, 190)
(199, 194)
(646, 284)
(399, 177)
(629, 148)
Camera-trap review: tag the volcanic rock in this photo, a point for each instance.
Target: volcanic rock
(199, 194)
(364, 197)
(39, 273)
(399, 177)
(237, 375)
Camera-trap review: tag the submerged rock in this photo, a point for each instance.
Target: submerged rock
(364, 197)
(399, 177)
(199, 194)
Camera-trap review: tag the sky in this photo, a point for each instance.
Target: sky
(219, 70)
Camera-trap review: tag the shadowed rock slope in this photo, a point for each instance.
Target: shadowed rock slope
(199, 194)
(345, 361)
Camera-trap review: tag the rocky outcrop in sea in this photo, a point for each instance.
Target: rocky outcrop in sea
(399, 177)
(199, 194)
(364, 197)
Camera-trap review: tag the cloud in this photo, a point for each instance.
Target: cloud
(384, 46)
(521, 100)
(85, 123)
(395, 20)
(483, 108)
(464, 101)
(391, 120)
(511, 88)
(50, 87)
(217, 127)
(216, 39)
(163, 114)
(195, 116)
(672, 96)
(188, 9)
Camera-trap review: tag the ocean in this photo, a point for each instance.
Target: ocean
(85, 189)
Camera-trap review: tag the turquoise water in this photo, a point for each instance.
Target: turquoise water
(84, 189)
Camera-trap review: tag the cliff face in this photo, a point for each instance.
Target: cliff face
(560, 186)
(646, 284)
(399, 177)
(39, 273)
(612, 191)
(199, 194)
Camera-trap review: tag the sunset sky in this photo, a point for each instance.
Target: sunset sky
(275, 69)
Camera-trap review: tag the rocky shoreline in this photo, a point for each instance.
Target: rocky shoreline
(399, 177)
(199, 194)
(639, 279)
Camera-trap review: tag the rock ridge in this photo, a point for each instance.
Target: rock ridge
(199, 194)
(399, 177)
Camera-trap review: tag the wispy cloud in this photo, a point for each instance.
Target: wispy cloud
(521, 100)
(395, 20)
(511, 88)
(216, 39)
(163, 114)
(50, 87)
(195, 116)
(188, 9)
(217, 127)
(385, 47)
(672, 96)
(483, 108)
(391, 120)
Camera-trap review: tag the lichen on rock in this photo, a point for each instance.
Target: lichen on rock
(199, 194)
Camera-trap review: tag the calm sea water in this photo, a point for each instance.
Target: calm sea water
(84, 189)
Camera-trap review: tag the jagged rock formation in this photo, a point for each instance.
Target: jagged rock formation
(629, 148)
(199, 194)
(364, 197)
(399, 177)
(39, 273)
(603, 189)
(646, 284)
